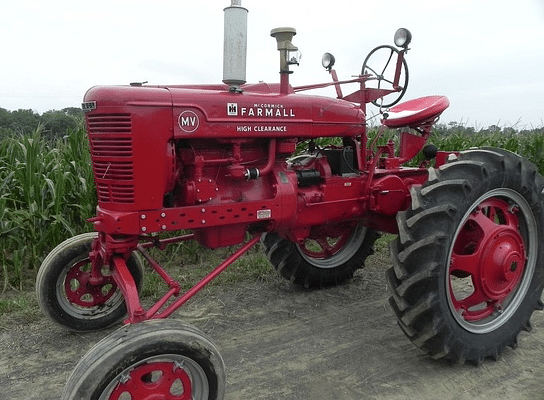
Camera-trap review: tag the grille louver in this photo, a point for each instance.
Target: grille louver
(110, 137)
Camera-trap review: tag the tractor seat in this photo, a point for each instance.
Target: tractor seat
(415, 112)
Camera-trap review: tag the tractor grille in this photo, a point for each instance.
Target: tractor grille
(110, 137)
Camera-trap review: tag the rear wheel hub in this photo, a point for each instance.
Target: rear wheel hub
(502, 264)
(488, 261)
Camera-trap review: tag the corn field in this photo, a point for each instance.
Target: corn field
(47, 191)
(529, 144)
(46, 195)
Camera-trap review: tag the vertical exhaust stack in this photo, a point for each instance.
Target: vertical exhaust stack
(235, 45)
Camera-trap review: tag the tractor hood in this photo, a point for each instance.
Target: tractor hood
(214, 111)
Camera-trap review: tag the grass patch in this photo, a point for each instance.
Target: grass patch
(20, 307)
(382, 243)
(189, 269)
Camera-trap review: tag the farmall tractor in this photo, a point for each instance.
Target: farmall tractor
(237, 164)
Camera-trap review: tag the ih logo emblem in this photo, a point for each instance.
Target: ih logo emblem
(188, 121)
(232, 109)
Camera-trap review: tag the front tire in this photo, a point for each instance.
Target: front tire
(328, 257)
(159, 359)
(468, 264)
(65, 294)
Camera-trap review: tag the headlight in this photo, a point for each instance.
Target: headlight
(403, 37)
(327, 61)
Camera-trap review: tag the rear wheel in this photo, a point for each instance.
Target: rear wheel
(468, 266)
(328, 257)
(66, 294)
(158, 359)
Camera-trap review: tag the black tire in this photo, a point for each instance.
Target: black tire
(468, 264)
(86, 308)
(301, 267)
(159, 357)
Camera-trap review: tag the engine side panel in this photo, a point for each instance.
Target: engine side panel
(259, 111)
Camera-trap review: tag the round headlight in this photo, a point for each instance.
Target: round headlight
(403, 37)
(327, 61)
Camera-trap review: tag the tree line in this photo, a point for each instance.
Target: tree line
(52, 124)
(453, 128)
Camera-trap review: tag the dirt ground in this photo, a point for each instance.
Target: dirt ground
(283, 342)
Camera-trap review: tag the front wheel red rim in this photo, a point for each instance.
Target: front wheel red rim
(82, 291)
(81, 296)
(491, 261)
(165, 377)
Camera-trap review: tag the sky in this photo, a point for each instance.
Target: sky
(486, 56)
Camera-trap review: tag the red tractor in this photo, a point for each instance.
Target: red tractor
(237, 163)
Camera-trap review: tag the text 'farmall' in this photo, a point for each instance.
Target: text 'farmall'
(260, 110)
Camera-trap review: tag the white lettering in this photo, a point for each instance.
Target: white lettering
(260, 110)
(188, 121)
(267, 128)
(267, 105)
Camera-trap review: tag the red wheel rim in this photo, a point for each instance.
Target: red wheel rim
(79, 289)
(489, 254)
(155, 381)
(326, 242)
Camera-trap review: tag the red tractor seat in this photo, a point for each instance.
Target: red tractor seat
(415, 112)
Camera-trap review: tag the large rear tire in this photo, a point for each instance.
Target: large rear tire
(160, 359)
(468, 264)
(327, 258)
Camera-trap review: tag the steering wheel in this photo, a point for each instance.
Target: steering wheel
(386, 56)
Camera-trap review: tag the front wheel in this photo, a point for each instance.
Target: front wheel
(468, 265)
(67, 296)
(329, 256)
(159, 359)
